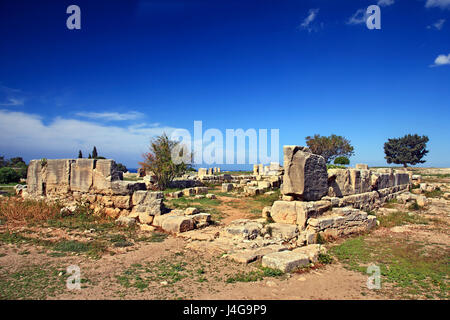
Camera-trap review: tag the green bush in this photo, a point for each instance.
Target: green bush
(333, 166)
(8, 175)
(342, 161)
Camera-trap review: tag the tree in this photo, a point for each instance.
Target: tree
(3, 162)
(8, 175)
(94, 153)
(342, 161)
(90, 157)
(409, 149)
(159, 161)
(16, 162)
(330, 147)
(80, 154)
(121, 167)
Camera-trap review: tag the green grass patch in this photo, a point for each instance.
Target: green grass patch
(35, 282)
(410, 266)
(255, 275)
(399, 218)
(437, 193)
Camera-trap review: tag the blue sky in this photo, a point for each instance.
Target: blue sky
(139, 68)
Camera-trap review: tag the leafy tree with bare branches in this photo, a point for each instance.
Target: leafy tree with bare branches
(330, 147)
(160, 163)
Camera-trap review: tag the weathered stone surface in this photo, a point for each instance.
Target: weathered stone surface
(253, 191)
(297, 212)
(126, 221)
(104, 174)
(227, 187)
(120, 187)
(211, 196)
(189, 192)
(122, 202)
(312, 251)
(282, 230)
(401, 178)
(191, 210)
(34, 178)
(145, 218)
(146, 227)
(305, 174)
(81, 175)
(266, 212)
(202, 172)
(201, 220)
(177, 224)
(143, 197)
(285, 261)
(422, 201)
(343, 182)
(284, 211)
(56, 176)
(361, 166)
(244, 228)
(154, 208)
(250, 255)
(342, 221)
(201, 190)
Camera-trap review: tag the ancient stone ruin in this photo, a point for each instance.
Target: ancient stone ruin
(314, 202)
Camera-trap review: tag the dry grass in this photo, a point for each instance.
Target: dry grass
(16, 210)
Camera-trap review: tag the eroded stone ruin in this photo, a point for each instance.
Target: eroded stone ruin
(314, 202)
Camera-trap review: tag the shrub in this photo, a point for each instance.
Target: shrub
(8, 175)
(18, 210)
(342, 160)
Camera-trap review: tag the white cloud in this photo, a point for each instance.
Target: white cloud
(111, 116)
(441, 60)
(443, 4)
(30, 137)
(438, 25)
(359, 17)
(11, 102)
(11, 97)
(385, 3)
(307, 22)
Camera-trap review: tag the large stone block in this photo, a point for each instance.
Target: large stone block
(57, 175)
(177, 224)
(143, 197)
(401, 178)
(283, 230)
(34, 178)
(344, 182)
(298, 212)
(305, 174)
(285, 261)
(105, 173)
(81, 175)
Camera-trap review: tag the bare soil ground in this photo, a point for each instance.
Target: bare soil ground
(412, 251)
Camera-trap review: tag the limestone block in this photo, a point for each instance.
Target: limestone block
(178, 224)
(305, 175)
(143, 197)
(81, 175)
(283, 230)
(285, 261)
(105, 172)
(227, 187)
(57, 175)
(34, 178)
